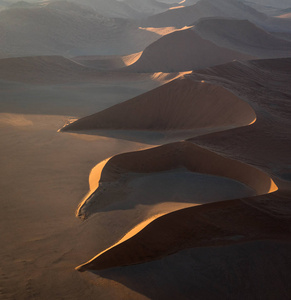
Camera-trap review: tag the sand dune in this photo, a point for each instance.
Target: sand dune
(203, 9)
(49, 70)
(64, 28)
(223, 223)
(221, 8)
(148, 7)
(242, 36)
(191, 52)
(173, 156)
(182, 104)
(265, 84)
(265, 144)
(111, 8)
(108, 62)
(273, 3)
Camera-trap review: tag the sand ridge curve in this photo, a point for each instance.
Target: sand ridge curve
(182, 104)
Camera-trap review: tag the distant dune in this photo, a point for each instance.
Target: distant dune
(57, 70)
(180, 105)
(220, 8)
(65, 28)
(190, 52)
(242, 36)
(108, 62)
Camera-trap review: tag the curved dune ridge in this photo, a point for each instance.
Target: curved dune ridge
(209, 225)
(182, 104)
(170, 157)
(243, 36)
(108, 62)
(186, 16)
(191, 52)
(58, 69)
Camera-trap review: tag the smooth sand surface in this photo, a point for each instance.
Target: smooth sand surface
(183, 104)
(69, 29)
(191, 52)
(40, 190)
(243, 36)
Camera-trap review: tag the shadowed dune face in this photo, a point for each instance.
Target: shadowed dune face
(243, 36)
(186, 16)
(191, 52)
(222, 223)
(182, 104)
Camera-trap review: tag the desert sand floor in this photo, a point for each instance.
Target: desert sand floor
(44, 174)
(43, 177)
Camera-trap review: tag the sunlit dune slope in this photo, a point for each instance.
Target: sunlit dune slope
(209, 225)
(190, 156)
(170, 157)
(243, 36)
(179, 105)
(108, 62)
(182, 51)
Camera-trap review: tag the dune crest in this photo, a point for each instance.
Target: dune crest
(182, 104)
(191, 52)
(170, 157)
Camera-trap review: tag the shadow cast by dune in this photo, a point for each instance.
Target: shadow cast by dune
(237, 272)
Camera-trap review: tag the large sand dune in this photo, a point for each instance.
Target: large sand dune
(191, 52)
(182, 104)
(242, 36)
(64, 28)
(114, 171)
(218, 224)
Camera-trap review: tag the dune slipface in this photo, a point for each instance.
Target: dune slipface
(191, 52)
(182, 104)
(242, 36)
(217, 224)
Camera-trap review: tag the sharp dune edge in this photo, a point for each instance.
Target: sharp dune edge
(170, 157)
(179, 105)
(191, 53)
(177, 237)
